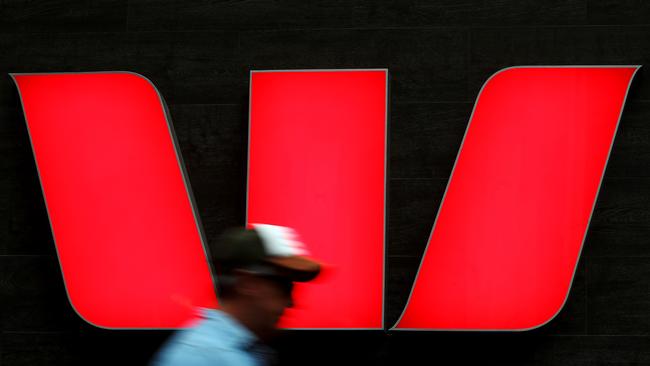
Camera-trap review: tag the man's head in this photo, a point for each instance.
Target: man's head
(255, 271)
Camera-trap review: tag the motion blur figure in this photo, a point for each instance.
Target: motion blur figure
(255, 270)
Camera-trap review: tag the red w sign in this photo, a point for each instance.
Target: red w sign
(503, 248)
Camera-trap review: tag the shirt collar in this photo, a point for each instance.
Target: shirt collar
(236, 334)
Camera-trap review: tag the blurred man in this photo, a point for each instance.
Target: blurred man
(255, 271)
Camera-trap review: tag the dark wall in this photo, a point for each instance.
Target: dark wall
(439, 53)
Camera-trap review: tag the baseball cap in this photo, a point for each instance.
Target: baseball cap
(266, 250)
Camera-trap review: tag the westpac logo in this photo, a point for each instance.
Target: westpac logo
(503, 247)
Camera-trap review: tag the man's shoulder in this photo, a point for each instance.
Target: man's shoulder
(207, 342)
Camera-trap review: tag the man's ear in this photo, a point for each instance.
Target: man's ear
(246, 284)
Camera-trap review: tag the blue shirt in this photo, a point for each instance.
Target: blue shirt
(218, 339)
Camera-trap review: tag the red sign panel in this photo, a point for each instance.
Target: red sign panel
(505, 244)
(317, 163)
(123, 223)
